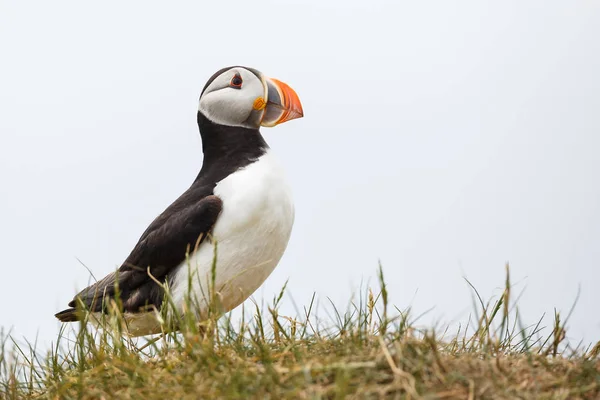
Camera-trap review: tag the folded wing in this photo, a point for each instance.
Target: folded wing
(160, 250)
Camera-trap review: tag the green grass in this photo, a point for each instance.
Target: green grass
(371, 350)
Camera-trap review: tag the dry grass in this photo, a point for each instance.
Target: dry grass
(368, 352)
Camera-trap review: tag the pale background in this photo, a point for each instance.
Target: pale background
(444, 138)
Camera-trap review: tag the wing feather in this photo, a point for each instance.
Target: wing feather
(161, 248)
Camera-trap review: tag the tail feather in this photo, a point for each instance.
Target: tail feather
(68, 315)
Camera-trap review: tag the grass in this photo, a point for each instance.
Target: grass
(371, 350)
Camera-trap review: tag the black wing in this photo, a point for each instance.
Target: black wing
(161, 248)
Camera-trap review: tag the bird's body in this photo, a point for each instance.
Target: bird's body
(251, 233)
(237, 214)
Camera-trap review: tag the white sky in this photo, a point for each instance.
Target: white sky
(444, 138)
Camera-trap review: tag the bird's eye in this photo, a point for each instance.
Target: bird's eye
(236, 81)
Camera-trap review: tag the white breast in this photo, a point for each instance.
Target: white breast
(251, 233)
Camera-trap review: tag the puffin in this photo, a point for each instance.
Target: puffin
(227, 232)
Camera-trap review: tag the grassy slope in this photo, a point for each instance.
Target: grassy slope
(367, 354)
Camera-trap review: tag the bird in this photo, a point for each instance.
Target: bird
(229, 229)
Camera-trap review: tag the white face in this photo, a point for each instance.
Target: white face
(234, 98)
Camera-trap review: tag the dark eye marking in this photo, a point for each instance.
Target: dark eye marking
(236, 81)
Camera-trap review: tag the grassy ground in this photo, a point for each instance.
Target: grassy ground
(371, 350)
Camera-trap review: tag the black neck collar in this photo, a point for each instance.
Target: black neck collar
(228, 148)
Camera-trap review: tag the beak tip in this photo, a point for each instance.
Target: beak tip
(296, 109)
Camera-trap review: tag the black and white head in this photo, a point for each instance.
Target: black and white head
(244, 97)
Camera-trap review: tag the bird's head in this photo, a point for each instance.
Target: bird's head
(244, 97)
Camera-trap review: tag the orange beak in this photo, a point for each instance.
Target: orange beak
(283, 104)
